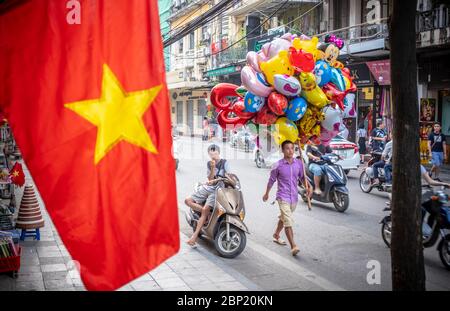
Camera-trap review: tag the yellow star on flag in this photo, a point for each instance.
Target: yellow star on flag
(117, 115)
(15, 173)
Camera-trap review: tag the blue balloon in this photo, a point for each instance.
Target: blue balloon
(322, 71)
(337, 79)
(296, 108)
(253, 103)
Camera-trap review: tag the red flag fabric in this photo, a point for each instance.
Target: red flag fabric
(16, 174)
(87, 101)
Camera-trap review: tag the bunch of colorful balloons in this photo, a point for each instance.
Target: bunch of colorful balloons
(294, 82)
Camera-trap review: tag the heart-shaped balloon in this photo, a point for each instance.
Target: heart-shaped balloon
(277, 103)
(264, 116)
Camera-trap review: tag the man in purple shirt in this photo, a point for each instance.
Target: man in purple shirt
(288, 171)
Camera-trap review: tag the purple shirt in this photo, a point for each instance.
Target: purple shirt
(287, 176)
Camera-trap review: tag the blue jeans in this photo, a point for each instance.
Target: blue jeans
(388, 172)
(376, 166)
(437, 158)
(316, 169)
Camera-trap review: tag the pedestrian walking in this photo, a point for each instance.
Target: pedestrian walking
(438, 149)
(287, 172)
(361, 136)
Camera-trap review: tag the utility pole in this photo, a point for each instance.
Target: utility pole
(408, 271)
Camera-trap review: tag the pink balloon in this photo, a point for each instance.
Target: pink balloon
(271, 49)
(252, 60)
(253, 83)
(326, 136)
(333, 116)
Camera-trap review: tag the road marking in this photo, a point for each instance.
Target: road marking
(296, 268)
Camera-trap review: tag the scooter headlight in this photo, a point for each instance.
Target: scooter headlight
(242, 215)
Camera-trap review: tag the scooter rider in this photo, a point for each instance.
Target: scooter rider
(314, 152)
(206, 194)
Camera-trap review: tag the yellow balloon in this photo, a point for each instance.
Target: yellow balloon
(309, 46)
(285, 129)
(311, 91)
(279, 64)
(348, 84)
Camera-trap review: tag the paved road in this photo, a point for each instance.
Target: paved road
(335, 247)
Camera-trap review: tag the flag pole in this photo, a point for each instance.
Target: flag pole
(304, 174)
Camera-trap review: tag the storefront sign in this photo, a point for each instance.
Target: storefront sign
(381, 71)
(223, 71)
(361, 74)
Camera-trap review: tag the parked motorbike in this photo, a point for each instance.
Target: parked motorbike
(243, 140)
(332, 184)
(435, 223)
(367, 176)
(226, 221)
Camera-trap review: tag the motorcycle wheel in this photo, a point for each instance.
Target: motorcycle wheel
(232, 248)
(386, 231)
(365, 183)
(341, 201)
(444, 251)
(259, 160)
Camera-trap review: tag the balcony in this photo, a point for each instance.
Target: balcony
(182, 7)
(433, 27)
(234, 54)
(363, 39)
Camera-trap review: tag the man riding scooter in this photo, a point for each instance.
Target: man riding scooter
(203, 199)
(314, 153)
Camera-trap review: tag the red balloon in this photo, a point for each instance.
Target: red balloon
(277, 103)
(300, 60)
(227, 122)
(334, 94)
(239, 109)
(219, 95)
(264, 116)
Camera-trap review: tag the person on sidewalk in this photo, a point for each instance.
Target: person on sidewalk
(204, 198)
(287, 172)
(205, 129)
(361, 137)
(314, 153)
(438, 150)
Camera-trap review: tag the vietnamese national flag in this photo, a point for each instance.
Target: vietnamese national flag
(89, 109)
(17, 175)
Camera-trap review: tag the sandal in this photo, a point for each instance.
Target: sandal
(193, 246)
(279, 241)
(295, 251)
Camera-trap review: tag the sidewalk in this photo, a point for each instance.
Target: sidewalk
(46, 265)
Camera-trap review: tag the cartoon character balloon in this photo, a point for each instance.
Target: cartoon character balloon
(322, 71)
(253, 103)
(311, 91)
(254, 82)
(285, 130)
(307, 45)
(296, 109)
(287, 85)
(277, 65)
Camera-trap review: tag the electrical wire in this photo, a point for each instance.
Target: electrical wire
(200, 21)
(244, 37)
